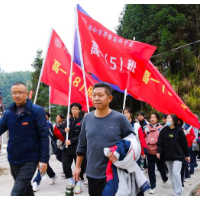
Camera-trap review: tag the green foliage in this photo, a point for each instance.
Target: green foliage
(169, 26)
(6, 82)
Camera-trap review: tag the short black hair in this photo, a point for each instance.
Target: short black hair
(108, 89)
(92, 108)
(156, 114)
(76, 105)
(48, 114)
(128, 109)
(164, 116)
(19, 83)
(61, 115)
(140, 113)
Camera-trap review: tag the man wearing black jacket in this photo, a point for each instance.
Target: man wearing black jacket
(69, 153)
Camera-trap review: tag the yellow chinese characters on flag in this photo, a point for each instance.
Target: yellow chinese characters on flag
(155, 90)
(56, 71)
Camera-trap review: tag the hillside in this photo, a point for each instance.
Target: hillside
(7, 80)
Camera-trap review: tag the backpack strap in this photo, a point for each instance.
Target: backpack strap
(158, 127)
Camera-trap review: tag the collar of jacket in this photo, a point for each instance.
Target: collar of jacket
(27, 109)
(76, 119)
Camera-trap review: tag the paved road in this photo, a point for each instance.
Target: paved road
(58, 189)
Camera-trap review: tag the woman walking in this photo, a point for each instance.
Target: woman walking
(172, 142)
(152, 131)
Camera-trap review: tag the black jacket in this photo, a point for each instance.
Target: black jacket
(173, 143)
(75, 129)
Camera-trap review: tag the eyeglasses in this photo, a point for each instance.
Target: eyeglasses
(17, 93)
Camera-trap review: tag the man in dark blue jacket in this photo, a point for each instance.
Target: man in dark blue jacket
(28, 145)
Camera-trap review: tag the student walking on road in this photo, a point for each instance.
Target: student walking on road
(152, 131)
(172, 142)
(100, 129)
(28, 145)
(69, 154)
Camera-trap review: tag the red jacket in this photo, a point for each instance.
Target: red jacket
(58, 134)
(189, 133)
(138, 130)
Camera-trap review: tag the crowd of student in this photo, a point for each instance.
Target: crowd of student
(172, 146)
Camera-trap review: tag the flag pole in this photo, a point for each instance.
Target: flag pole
(125, 93)
(124, 104)
(81, 57)
(38, 85)
(70, 83)
(49, 103)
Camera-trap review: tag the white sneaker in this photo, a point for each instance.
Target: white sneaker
(78, 189)
(52, 181)
(182, 188)
(186, 179)
(152, 191)
(164, 184)
(35, 187)
(85, 183)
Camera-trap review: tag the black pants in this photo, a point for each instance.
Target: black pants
(151, 172)
(184, 172)
(96, 186)
(23, 175)
(193, 160)
(67, 161)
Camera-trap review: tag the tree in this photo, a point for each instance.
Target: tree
(168, 27)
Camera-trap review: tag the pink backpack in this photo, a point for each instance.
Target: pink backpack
(152, 139)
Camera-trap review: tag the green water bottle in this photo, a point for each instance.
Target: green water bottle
(142, 163)
(69, 191)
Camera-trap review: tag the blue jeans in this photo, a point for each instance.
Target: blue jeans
(23, 174)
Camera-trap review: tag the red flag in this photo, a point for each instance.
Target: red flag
(56, 71)
(153, 88)
(110, 57)
(60, 98)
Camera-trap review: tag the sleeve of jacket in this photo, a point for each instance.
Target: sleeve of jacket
(184, 143)
(190, 137)
(62, 129)
(142, 140)
(43, 132)
(58, 134)
(82, 142)
(3, 125)
(160, 142)
(74, 140)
